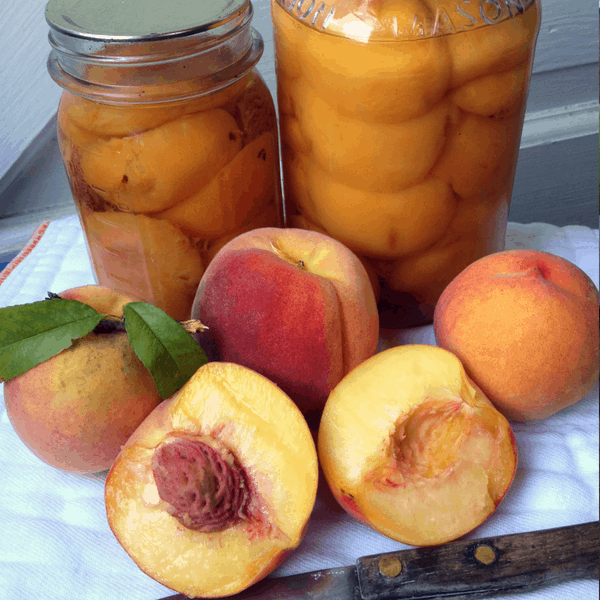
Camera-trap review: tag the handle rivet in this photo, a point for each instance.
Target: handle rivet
(390, 566)
(485, 554)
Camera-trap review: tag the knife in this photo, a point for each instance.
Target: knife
(461, 570)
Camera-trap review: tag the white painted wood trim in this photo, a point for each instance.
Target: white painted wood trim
(560, 123)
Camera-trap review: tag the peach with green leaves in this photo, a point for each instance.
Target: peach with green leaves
(80, 399)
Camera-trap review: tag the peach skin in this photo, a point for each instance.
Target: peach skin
(294, 305)
(525, 325)
(75, 410)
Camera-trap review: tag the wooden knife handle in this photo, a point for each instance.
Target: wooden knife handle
(483, 568)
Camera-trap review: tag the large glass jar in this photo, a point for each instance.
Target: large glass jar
(168, 135)
(400, 126)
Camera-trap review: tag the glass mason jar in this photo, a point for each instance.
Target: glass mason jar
(400, 123)
(168, 135)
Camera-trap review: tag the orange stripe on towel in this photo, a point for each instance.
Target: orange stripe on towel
(18, 259)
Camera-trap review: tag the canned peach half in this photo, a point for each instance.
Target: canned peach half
(152, 171)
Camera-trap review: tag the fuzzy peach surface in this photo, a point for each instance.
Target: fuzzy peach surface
(75, 410)
(295, 305)
(525, 325)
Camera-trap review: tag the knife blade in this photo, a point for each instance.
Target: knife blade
(461, 570)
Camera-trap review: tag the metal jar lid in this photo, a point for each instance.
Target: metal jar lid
(141, 50)
(134, 20)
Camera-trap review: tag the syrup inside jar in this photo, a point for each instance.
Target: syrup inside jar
(170, 147)
(400, 127)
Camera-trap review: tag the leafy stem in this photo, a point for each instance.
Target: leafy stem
(113, 324)
(33, 333)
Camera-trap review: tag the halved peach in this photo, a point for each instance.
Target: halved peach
(479, 154)
(477, 229)
(412, 448)
(495, 48)
(152, 171)
(114, 120)
(145, 258)
(216, 486)
(379, 225)
(236, 193)
(379, 157)
(499, 95)
(378, 81)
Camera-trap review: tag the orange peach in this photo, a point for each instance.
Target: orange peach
(106, 120)
(478, 155)
(75, 410)
(378, 225)
(253, 109)
(475, 231)
(216, 487)
(294, 305)
(411, 447)
(379, 158)
(499, 47)
(377, 81)
(499, 95)
(525, 325)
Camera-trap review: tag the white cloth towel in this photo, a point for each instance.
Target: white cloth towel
(55, 542)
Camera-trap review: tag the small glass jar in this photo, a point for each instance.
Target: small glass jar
(400, 124)
(168, 135)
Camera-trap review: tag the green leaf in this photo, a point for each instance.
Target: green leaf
(32, 333)
(163, 345)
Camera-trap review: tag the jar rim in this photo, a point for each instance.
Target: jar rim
(178, 90)
(381, 21)
(156, 68)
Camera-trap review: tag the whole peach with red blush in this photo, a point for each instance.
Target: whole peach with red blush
(297, 306)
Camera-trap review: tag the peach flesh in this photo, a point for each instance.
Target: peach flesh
(240, 438)
(152, 171)
(146, 258)
(407, 440)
